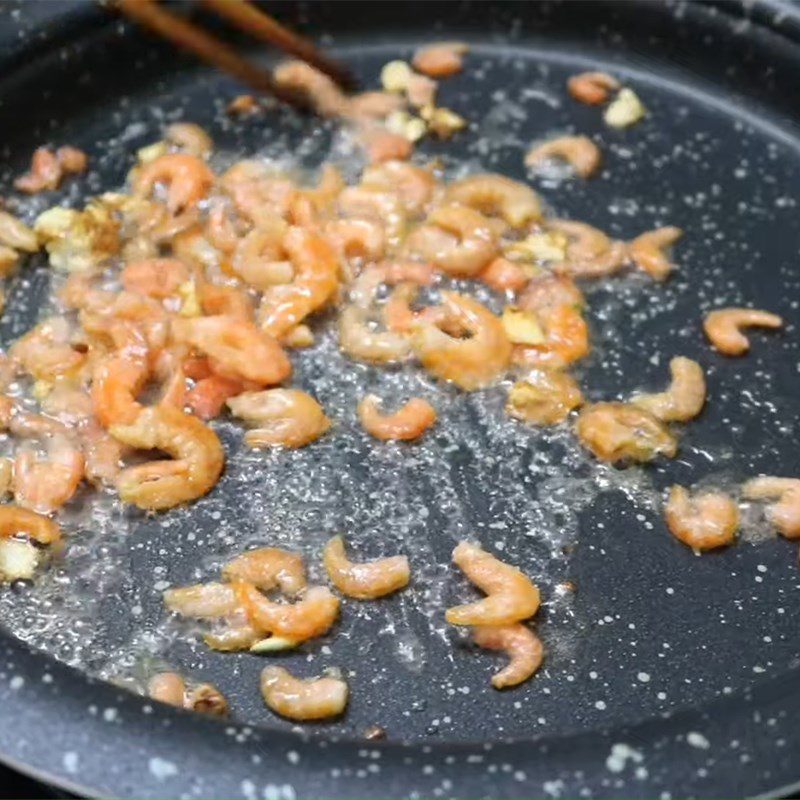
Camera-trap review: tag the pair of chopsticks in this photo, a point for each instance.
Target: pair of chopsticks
(246, 17)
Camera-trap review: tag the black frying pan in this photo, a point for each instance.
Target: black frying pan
(667, 675)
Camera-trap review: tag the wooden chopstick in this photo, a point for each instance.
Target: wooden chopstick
(248, 18)
(184, 34)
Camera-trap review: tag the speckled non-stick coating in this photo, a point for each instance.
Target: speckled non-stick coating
(666, 674)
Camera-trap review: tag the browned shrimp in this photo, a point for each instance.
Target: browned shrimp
(155, 277)
(723, 328)
(456, 239)
(440, 60)
(293, 698)
(359, 341)
(703, 522)
(521, 644)
(685, 397)
(187, 177)
(590, 253)
(647, 251)
(367, 580)
(116, 382)
(592, 88)
(44, 175)
(410, 421)
(268, 568)
(470, 363)
(580, 152)
(785, 514)
(190, 138)
(44, 485)
(357, 238)
(236, 347)
(503, 275)
(46, 352)
(550, 291)
(382, 145)
(516, 203)
(545, 397)
(170, 688)
(319, 90)
(281, 417)
(15, 520)
(310, 616)
(565, 339)
(157, 485)
(621, 432)
(413, 185)
(511, 596)
(315, 282)
(71, 159)
(203, 600)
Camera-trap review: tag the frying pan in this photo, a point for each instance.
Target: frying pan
(666, 675)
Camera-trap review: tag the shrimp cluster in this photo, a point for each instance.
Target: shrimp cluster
(245, 617)
(496, 620)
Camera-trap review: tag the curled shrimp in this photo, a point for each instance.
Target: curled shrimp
(227, 300)
(366, 580)
(298, 77)
(544, 398)
(357, 238)
(362, 343)
(208, 396)
(310, 616)
(44, 485)
(511, 596)
(171, 688)
(702, 522)
(592, 88)
(203, 600)
(102, 453)
(257, 193)
(503, 275)
(579, 151)
(521, 644)
(259, 258)
(565, 339)
(456, 239)
(621, 432)
(187, 177)
(410, 421)
(268, 568)
(785, 514)
(549, 291)
(470, 363)
(15, 520)
(381, 205)
(157, 485)
(282, 417)
(723, 328)
(155, 277)
(45, 173)
(382, 145)
(237, 347)
(414, 186)
(46, 353)
(516, 203)
(590, 253)
(293, 698)
(116, 382)
(315, 282)
(190, 138)
(440, 60)
(647, 251)
(685, 397)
